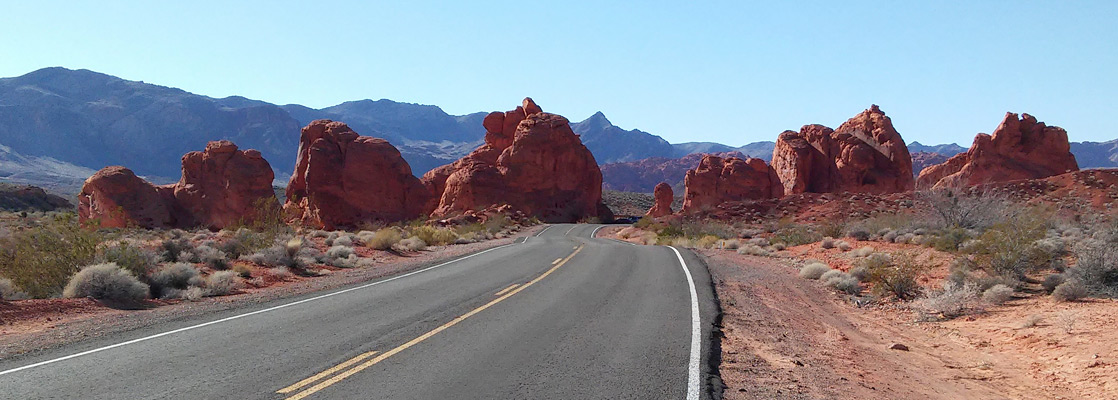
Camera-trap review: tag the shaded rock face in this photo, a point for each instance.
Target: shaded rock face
(864, 155)
(664, 197)
(342, 179)
(923, 159)
(532, 161)
(717, 180)
(1020, 148)
(220, 187)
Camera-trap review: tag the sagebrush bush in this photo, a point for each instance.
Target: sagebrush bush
(860, 273)
(952, 301)
(753, 250)
(338, 251)
(212, 257)
(40, 260)
(998, 294)
(242, 270)
(827, 243)
(9, 291)
(796, 235)
(706, 242)
(732, 244)
(1009, 248)
(174, 248)
(106, 282)
(1051, 281)
(343, 241)
(433, 236)
(133, 258)
(832, 229)
(759, 241)
(1070, 291)
(1096, 268)
(862, 252)
(413, 244)
(174, 276)
(893, 276)
(842, 245)
(813, 270)
(384, 239)
(221, 283)
(841, 281)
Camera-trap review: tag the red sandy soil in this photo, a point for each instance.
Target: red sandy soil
(787, 337)
(27, 325)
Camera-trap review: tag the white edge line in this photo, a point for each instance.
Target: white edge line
(542, 231)
(569, 230)
(592, 234)
(696, 335)
(238, 316)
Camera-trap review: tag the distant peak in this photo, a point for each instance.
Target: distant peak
(599, 118)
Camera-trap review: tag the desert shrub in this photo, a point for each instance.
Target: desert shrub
(1070, 291)
(731, 244)
(890, 236)
(174, 276)
(1008, 248)
(497, 223)
(647, 223)
(827, 243)
(832, 229)
(339, 252)
(107, 282)
(1096, 268)
(9, 291)
(221, 283)
(345, 240)
(135, 259)
(413, 244)
(967, 209)
(1051, 281)
(281, 273)
(704, 228)
(212, 257)
(759, 241)
(670, 231)
(997, 295)
(841, 281)
(40, 260)
(778, 246)
(862, 251)
(796, 235)
(894, 276)
(242, 270)
(274, 256)
(753, 250)
(842, 245)
(860, 273)
(434, 236)
(949, 239)
(706, 242)
(175, 248)
(384, 239)
(952, 301)
(859, 233)
(352, 261)
(813, 270)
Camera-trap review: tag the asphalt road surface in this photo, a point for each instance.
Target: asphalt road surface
(561, 315)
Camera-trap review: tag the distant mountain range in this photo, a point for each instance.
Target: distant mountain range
(58, 125)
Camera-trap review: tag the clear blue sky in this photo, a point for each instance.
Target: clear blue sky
(732, 72)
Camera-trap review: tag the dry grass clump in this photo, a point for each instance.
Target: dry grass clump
(827, 243)
(813, 270)
(9, 291)
(384, 239)
(106, 282)
(952, 301)
(1070, 291)
(862, 252)
(221, 283)
(413, 243)
(998, 294)
(753, 250)
(433, 236)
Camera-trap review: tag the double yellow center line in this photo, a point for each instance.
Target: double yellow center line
(501, 296)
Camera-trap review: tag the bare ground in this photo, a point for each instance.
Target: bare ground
(786, 337)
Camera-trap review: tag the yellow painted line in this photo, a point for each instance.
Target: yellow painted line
(326, 373)
(338, 378)
(507, 289)
(557, 260)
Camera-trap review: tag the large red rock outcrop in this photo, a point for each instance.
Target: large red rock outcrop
(1021, 148)
(342, 179)
(532, 161)
(865, 155)
(717, 180)
(220, 187)
(643, 175)
(664, 197)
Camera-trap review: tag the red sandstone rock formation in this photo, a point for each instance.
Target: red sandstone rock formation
(865, 154)
(643, 175)
(923, 159)
(342, 179)
(220, 186)
(532, 161)
(1021, 148)
(717, 180)
(664, 197)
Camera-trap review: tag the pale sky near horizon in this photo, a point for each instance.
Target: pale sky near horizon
(730, 72)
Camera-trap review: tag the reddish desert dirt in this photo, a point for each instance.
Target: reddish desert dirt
(791, 338)
(27, 325)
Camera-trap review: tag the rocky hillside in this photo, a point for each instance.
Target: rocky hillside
(643, 175)
(29, 198)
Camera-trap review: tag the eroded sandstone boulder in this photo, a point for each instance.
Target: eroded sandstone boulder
(716, 180)
(220, 186)
(865, 154)
(664, 197)
(532, 161)
(1020, 148)
(342, 179)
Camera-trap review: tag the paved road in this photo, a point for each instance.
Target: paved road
(561, 315)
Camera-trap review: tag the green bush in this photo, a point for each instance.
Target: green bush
(41, 260)
(896, 276)
(106, 282)
(1010, 248)
(174, 276)
(9, 291)
(796, 235)
(134, 259)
